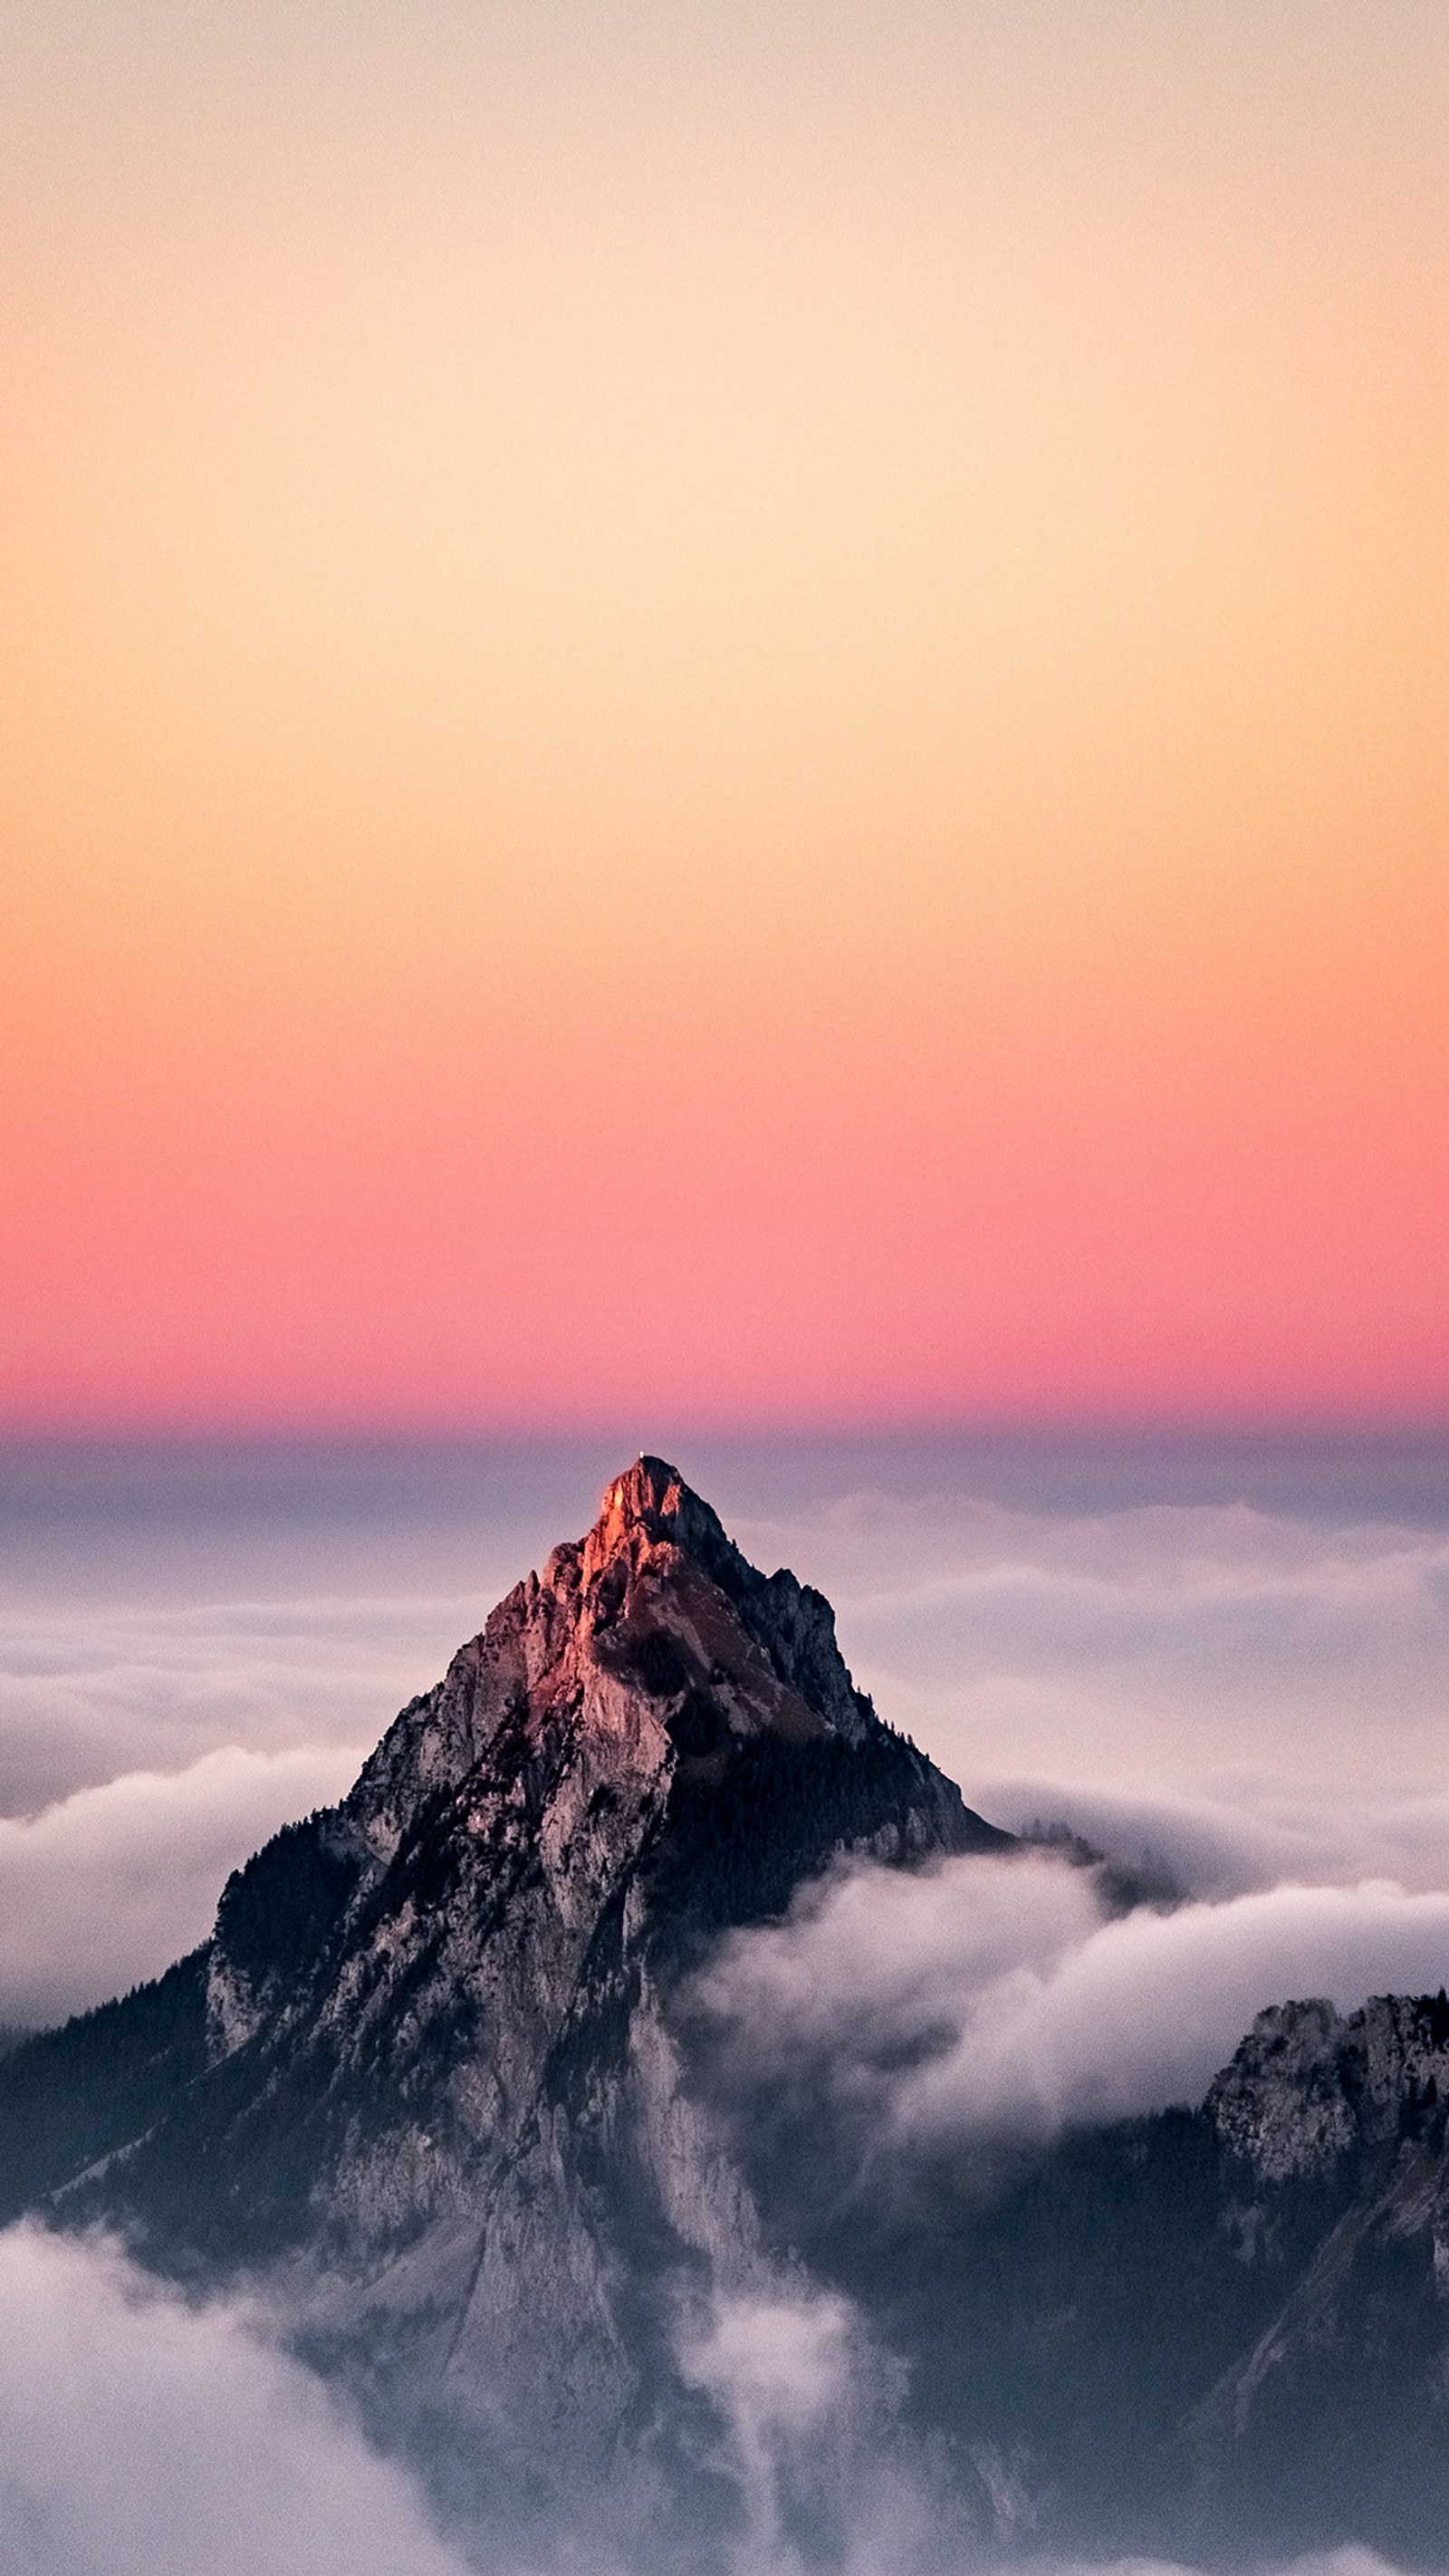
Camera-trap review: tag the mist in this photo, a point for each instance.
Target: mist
(100, 1890)
(992, 1998)
(140, 2436)
(145, 2435)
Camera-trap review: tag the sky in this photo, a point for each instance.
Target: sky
(732, 713)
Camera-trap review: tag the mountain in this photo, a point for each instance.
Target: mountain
(1218, 2334)
(439, 2091)
(422, 2079)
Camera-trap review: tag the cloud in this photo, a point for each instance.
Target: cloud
(1352, 2561)
(161, 1599)
(1272, 1681)
(777, 2360)
(1213, 1848)
(87, 1694)
(143, 2437)
(1249, 1694)
(157, 1605)
(1252, 1697)
(777, 2366)
(831, 2479)
(107, 1887)
(1254, 1694)
(813, 2440)
(989, 1998)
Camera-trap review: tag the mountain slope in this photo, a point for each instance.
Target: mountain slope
(422, 2075)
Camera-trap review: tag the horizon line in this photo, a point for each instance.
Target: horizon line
(1289, 1429)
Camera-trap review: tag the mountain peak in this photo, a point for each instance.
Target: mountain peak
(432, 2062)
(652, 1492)
(426, 2014)
(650, 1501)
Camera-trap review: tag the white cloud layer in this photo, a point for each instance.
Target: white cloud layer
(1214, 1848)
(85, 1695)
(989, 1996)
(142, 2437)
(1250, 1693)
(1329, 2562)
(107, 1887)
(160, 1600)
(811, 2416)
(1255, 1691)
(191, 1653)
(1202, 1649)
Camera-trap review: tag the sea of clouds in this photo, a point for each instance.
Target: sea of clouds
(1239, 1673)
(992, 1996)
(141, 2436)
(1247, 1683)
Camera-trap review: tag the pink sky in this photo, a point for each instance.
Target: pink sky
(708, 723)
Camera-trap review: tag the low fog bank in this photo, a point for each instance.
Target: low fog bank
(106, 1888)
(86, 1697)
(1286, 1678)
(1173, 1622)
(144, 2436)
(993, 1998)
(1211, 1848)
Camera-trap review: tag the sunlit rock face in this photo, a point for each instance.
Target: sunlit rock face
(441, 2101)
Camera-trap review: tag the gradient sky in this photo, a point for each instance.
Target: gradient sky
(724, 713)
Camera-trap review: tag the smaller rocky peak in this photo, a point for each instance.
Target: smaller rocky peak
(1309, 2084)
(1285, 2103)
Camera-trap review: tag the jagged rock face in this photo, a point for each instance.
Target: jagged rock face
(1308, 2085)
(1215, 2335)
(1341, 2121)
(441, 2096)
(649, 1740)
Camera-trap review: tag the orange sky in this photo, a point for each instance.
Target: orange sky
(735, 715)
